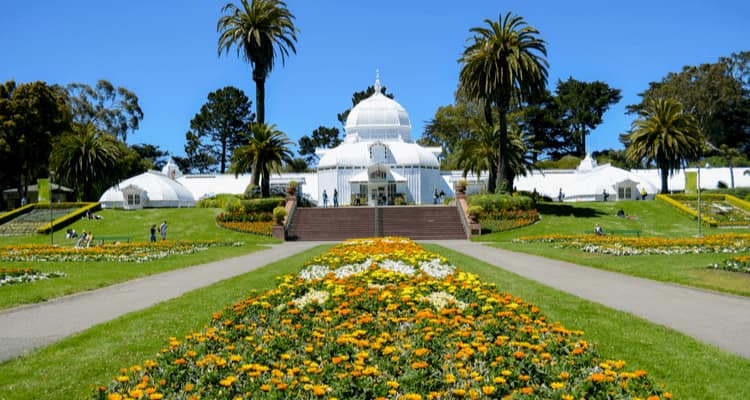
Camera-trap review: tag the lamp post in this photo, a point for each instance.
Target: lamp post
(699, 202)
(51, 228)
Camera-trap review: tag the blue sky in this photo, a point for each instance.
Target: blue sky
(166, 52)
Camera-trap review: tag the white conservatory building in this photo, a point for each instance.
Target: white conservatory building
(378, 163)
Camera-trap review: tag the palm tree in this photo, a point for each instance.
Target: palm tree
(664, 134)
(504, 64)
(520, 161)
(479, 152)
(266, 151)
(261, 30)
(83, 158)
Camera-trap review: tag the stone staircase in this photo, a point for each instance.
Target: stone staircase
(416, 222)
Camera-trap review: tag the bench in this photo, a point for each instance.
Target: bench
(622, 232)
(113, 239)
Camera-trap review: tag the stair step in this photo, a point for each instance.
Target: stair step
(420, 222)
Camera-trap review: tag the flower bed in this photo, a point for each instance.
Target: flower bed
(505, 220)
(628, 246)
(716, 209)
(123, 252)
(734, 264)
(11, 276)
(257, 227)
(380, 319)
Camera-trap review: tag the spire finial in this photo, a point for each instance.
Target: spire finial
(378, 87)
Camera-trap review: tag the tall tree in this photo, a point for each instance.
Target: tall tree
(583, 104)
(261, 30)
(322, 137)
(451, 125)
(504, 62)
(715, 93)
(111, 109)
(83, 157)
(478, 152)
(265, 152)
(666, 135)
(222, 121)
(152, 155)
(32, 115)
(541, 123)
(197, 155)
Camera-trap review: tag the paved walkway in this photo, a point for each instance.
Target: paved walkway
(710, 317)
(28, 327)
(719, 319)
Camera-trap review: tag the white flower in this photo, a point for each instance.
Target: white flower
(442, 299)
(317, 296)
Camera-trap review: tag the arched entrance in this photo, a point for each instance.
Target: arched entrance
(377, 186)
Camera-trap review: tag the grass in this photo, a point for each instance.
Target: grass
(76, 364)
(185, 223)
(654, 218)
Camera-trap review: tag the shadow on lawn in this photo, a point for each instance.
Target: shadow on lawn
(563, 210)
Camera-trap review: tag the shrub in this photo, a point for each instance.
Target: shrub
(223, 200)
(499, 202)
(261, 205)
(475, 211)
(251, 191)
(278, 214)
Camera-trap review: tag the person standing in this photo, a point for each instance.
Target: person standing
(561, 195)
(153, 233)
(335, 198)
(163, 230)
(325, 199)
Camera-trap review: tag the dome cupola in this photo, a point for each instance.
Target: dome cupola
(378, 118)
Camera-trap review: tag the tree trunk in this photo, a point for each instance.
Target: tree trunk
(265, 184)
(502, 159)
(664, 177)
(491, 181)
(255, 175)
(223, 154)
(260, 96)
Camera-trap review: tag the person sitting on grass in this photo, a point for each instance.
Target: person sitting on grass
(598, 230)
(621, 213)
(84, 240)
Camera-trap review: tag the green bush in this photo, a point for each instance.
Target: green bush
(500, 202)
(279, 213)
(223, 200)
(261, 205)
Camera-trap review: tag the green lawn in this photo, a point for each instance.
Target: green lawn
(185, 223)
(71, 367)
(654, 218)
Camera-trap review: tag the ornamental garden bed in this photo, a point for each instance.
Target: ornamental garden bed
(121, 252)
(721, 210)
(380, 318)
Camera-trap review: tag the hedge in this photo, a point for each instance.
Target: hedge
(500, 202)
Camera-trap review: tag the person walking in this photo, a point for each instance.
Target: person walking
(153, 233)
(335, 198)
(163, 230)
(325, 199)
